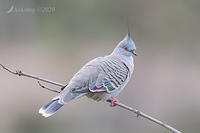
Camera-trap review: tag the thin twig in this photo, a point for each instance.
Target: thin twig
(20, 73)
(47, 88)
(138, 113)
(8, 69)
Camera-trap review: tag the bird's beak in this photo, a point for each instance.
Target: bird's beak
(134, 53)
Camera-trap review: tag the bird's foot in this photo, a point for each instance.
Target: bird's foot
(113, 101)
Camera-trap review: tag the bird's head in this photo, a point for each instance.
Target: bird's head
(126, 46)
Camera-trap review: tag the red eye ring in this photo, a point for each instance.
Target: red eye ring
(125, 48)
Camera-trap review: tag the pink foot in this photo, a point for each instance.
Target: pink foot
(112, 101)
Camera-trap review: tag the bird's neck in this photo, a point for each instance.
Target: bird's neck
(128, 60)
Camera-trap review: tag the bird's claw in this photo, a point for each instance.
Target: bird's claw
(113, 101)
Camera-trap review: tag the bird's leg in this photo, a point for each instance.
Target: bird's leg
(112, 101)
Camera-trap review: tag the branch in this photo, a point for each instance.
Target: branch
(20, 73)
(138, 113)
(47, 88)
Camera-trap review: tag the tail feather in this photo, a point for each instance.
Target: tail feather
(50, 108)
(65, 97)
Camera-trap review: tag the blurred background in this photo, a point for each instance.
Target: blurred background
(54, 39)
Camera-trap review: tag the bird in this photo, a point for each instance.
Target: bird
(101, 79)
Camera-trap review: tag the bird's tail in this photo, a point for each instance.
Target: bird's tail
(50, 108)
(57, 102)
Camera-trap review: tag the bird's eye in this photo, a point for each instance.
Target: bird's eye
(126, 48)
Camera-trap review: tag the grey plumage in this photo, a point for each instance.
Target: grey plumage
(100, 79)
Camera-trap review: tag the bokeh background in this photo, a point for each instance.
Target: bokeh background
(54, 39)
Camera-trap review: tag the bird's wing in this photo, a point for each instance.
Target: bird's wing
(112, 74)
(79, 84)
(85, 76)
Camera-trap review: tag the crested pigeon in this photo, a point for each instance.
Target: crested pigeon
(101, 79)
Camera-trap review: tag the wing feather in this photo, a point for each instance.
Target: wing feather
(112, 74)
